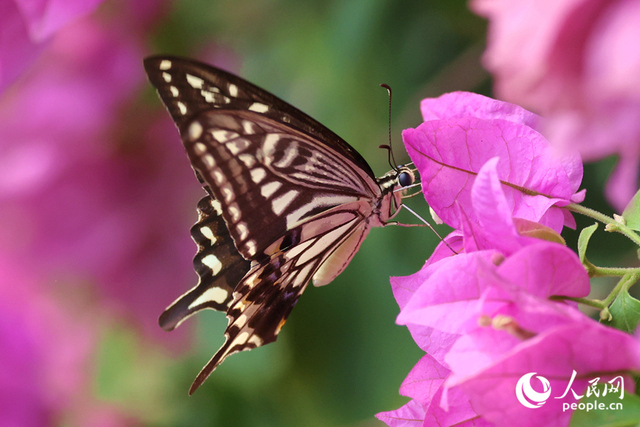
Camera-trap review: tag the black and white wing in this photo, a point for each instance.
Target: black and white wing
(296, 200)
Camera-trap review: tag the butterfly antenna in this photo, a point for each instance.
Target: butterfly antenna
(391, 158)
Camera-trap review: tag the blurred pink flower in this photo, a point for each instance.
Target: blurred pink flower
(47, 343)
(462, 131)
(90, 189)
(27, 25)
(576, 62)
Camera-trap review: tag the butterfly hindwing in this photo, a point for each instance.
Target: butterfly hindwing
(218, 264)
(269, 291)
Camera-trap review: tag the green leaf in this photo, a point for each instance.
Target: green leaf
(583, 241)
(609, 416)
(631, 213)
(625, 311)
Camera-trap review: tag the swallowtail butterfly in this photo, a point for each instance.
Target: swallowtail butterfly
(288, 201)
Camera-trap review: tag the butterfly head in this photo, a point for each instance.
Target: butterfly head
(393, 185)
(396, 180)
(405, 177)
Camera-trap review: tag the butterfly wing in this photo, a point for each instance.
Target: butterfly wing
(291, 193)
(218, 264)
(267, 294)
(189, 87)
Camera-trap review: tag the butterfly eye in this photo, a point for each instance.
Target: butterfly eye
(405, 179)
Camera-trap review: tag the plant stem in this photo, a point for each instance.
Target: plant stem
(613, 271)
(612, 224)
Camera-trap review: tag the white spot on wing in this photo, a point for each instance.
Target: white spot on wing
(199, 147)
(174, 91)
(227, 193)
(217, 295)
(258, 174)
(238, 145)
(251, 247)
(254, 339)
(217, 207)
(208, 161)
(213, 263)
(249, 127)
(195, 82)
(242, 230)
(279, 204)
(165, 64)
(233, 90)
(258, 107)
(270, 142)
(166, 77)
(234, 212)
(182, 107)
(195, 131)
(222, 135)
(241, 320)
(241, 338)
(218, 177)
(247, 159)
(208, 233)
(267, 190)
(289, 155)
(208, 96)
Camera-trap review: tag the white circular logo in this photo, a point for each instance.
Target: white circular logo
(528, 396)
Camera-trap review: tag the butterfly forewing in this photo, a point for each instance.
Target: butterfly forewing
(289, 200)
(189, 87)
(267, 177)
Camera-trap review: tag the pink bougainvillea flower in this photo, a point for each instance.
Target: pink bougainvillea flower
(452, 291)
(575, 62)
(502, 326)
(488, 362)
(424, 385)
(27, 25)
(462, 131)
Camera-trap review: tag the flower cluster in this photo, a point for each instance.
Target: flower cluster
(493, 302)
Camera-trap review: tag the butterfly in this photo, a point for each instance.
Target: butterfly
(288, 201)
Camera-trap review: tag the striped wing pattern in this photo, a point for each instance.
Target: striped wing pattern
(288, 201)
(219, 266)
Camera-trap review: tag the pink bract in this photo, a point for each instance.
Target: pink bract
(462, 132)
(575, 62)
